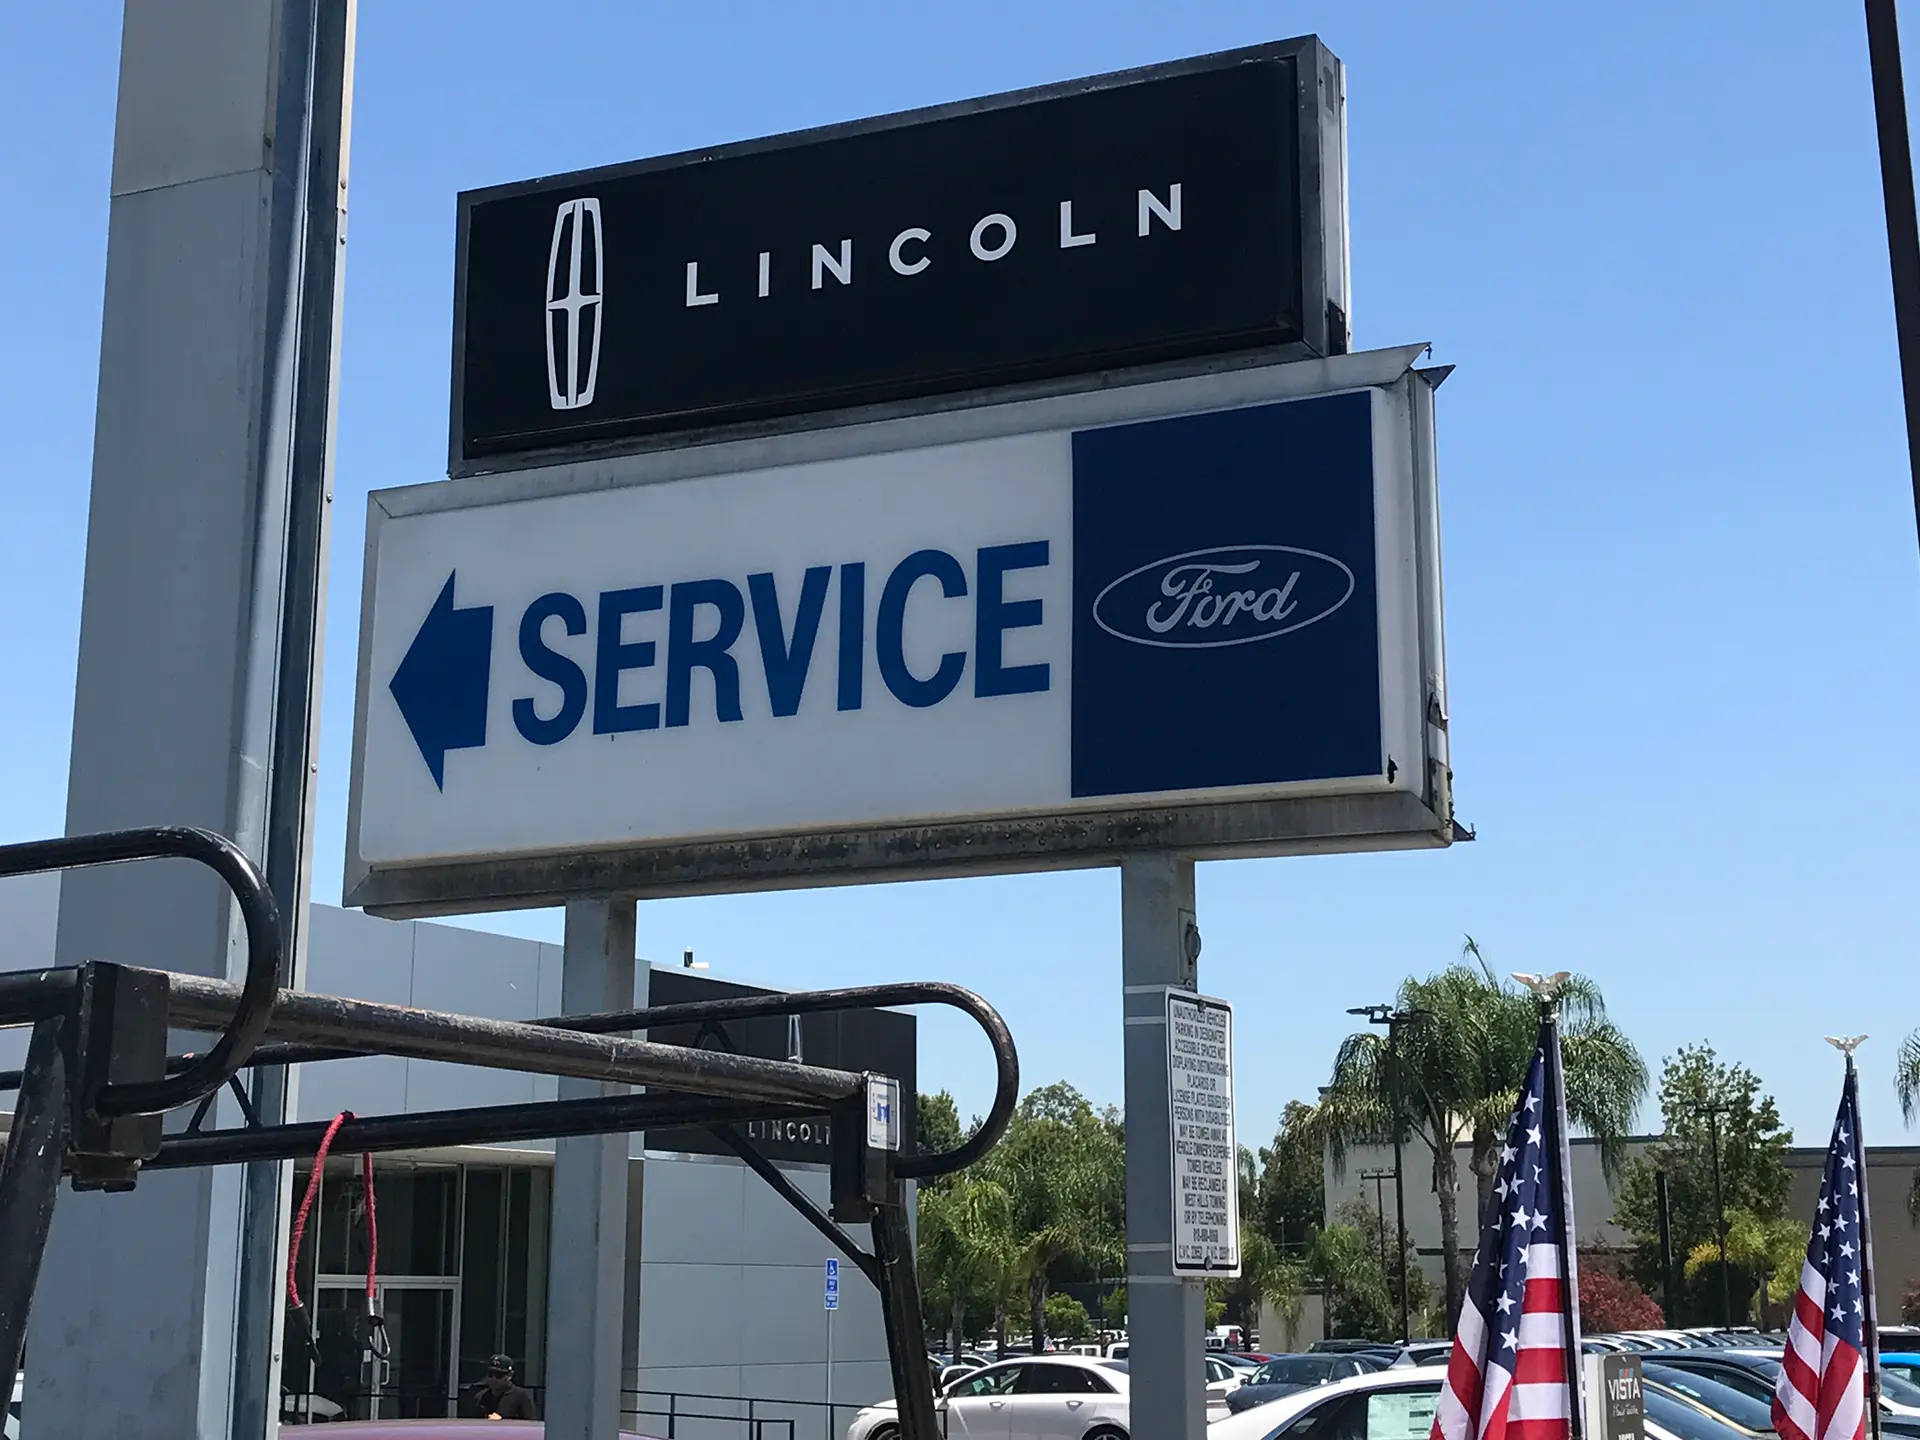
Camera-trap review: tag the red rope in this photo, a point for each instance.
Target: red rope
(373, 1226)
(306, 1205)
(306, 1208)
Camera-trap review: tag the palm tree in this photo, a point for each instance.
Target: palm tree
(1460, 1064)
(1906, 1076)
(1906, 1083)
(1063, 1168)
(966, 1245)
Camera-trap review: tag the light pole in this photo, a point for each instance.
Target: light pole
(1713, 1110)
(1378, 1177)
(1663, 1204)
(1903, 229)
(1394, 1019)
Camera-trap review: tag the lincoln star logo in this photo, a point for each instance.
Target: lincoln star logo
(573, 304)
(1229, 595)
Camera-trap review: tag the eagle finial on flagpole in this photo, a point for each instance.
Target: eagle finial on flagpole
(1846, 1044)
(1546, 988)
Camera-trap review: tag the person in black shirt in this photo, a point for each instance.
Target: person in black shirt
(497, 1397)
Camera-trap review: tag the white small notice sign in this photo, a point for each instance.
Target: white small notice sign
(1206, 1195)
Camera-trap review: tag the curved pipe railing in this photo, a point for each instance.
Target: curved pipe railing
(1006, 1059)
(261, 916)
(745, 1007)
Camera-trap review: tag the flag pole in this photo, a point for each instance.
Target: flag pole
(1871, 1330)
(1546, 994)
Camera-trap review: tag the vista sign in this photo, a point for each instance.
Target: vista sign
(1198, 614)
(1184, 210)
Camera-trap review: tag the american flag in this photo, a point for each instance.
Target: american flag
(1822, 1391)
(1507, 1376)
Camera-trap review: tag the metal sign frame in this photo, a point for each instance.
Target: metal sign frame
(98, 1081)
(1313, 820)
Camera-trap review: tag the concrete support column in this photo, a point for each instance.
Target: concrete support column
(1166, 1316)
(587, 1281)
(158, 1312)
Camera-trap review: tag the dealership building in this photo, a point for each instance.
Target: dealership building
(726, 1304)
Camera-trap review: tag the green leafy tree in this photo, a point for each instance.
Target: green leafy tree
(1063, 1167)
(1700, 1095)
(1459, 1066)
(937, 1129)
(1266, 1274)
(1113, 1308)
(1351, 1261)
(1766, 1254)
(1067, 1318)
(1287, 1198)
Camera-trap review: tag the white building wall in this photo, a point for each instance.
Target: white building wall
(1592, 1196)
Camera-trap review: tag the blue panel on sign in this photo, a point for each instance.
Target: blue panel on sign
(1225, 628)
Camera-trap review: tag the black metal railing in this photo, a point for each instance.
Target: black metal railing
(656, 1414)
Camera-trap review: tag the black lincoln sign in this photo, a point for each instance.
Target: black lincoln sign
(881, 1041)
(1182, 210)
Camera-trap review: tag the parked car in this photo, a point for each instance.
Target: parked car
(1223, 1380)
(1052, 1397)
(1399, 1402)
(1902, 1364)
(1349, 1347)
(1756, 1372)
(1739, 1408)
(1289, 1374)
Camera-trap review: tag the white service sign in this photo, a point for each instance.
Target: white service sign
(648, 654)
(1206, 1177)
(713, 656)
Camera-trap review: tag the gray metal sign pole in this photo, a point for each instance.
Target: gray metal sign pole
(1166, 1315)
(587, 1249)
(199, 644)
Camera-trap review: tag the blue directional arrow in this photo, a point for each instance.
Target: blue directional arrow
(441, 684)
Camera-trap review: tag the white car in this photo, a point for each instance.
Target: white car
(1038, 1397)
(1223, 1378)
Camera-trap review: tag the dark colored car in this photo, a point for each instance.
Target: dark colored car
(1737, 1405)
(1755, 1373)
(1686, 1420)
(1351, 1347)
(1288, 1374)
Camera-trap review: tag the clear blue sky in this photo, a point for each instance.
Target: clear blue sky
(1683, 586)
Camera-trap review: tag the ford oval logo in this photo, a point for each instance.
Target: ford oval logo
(1229, 595)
